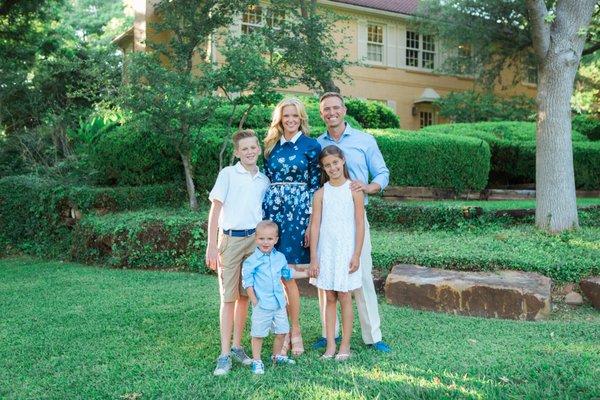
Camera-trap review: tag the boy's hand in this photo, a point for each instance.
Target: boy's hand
(313, 272)
(212, 257)
(354, 263)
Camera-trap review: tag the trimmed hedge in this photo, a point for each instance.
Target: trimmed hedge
(513, 151)
(588, 125)
(36, 213)
(156, 239)
(372, 114)
(434, 160)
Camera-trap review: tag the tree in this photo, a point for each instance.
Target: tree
(165, 89)
(514, 35)
(306, 38)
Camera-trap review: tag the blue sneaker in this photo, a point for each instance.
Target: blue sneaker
(223, 366)
(321, 342)
(258, 368)
(281, 360)
(381, 346)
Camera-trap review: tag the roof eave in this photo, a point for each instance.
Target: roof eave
(369, 10)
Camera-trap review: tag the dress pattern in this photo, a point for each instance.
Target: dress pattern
(293, 169)
(336, 240)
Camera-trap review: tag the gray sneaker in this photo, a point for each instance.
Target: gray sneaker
(223, 366)
(239, 355)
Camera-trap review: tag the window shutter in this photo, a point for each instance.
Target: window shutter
(391, 44)
(362, 40)
(401, 37)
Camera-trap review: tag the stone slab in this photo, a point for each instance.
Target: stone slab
(501, 294)
(591, 288)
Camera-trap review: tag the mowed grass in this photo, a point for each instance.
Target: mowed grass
(72, 331)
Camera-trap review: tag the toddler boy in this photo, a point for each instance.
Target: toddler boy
(236, 209)
(261, 277)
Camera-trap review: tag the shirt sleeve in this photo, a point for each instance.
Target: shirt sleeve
(248, 268)
(376, 165)
(221, 187)
(286, 272)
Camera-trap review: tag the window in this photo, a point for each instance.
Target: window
(425, 118)
(420, 50)
(275, 18)
(375, 43)
(251, 19)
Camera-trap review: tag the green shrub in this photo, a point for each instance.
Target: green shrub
(587, 125)
(471, 106)
(372, 114)
(119, 152)
(157, 239)
(36, 213)
(513, 151)
(433, 160)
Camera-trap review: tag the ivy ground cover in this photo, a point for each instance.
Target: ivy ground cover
(69, 331)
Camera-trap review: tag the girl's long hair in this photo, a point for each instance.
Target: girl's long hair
(332, 150)
(276, 128)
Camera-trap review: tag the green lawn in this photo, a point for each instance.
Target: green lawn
(71, 331)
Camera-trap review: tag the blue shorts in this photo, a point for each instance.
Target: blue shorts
(264, 321)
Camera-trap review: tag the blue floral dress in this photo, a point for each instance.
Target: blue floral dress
(293, 169)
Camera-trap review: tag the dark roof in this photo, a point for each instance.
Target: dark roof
(397, 6)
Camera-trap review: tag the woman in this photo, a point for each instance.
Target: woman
(292, 165)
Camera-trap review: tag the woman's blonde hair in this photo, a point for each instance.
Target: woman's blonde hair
(276, 128)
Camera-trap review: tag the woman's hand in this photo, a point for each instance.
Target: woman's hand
(212, 257)
(314, 270)
(354, 263)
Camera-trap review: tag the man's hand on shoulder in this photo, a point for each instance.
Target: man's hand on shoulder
(358, 186)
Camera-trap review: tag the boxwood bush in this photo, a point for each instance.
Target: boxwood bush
(587, 125)
(372, 114)
(36, 213)
(434, 160)
(513, 151)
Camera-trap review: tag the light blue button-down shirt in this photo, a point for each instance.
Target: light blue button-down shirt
(264, 272)
(363, 156)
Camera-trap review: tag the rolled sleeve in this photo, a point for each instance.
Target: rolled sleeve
(286, 272)
(219, 190)
(376, 164)
(248, 268)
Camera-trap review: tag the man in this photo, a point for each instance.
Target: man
(363, 159)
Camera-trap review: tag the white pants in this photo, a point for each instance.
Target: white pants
(365, 297)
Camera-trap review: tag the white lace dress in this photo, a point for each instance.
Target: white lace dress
(336, 240)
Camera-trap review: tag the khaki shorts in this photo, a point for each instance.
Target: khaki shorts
(232, 253)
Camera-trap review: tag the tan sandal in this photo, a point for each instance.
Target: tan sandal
(286, 345)
(342, 357)
(297, 345)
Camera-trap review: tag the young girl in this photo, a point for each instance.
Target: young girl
(336, 237)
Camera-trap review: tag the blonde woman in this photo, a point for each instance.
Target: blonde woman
(292, 165)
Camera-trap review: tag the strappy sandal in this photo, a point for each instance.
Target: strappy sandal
(326, 356)
(286, 345)
(341, 357)
(297, 345)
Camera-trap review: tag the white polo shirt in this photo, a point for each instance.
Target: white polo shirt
(242, 196)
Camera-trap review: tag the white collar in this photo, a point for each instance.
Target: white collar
(240, 168)
(293, 140)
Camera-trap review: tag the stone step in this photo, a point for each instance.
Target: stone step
(591, 288)
(501, 294)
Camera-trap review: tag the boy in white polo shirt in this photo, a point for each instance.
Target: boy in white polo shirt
(236, 210)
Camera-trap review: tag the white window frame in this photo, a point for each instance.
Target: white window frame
(254, 24)
(416, 47)
(374, 44)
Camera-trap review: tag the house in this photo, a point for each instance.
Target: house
(396, 66)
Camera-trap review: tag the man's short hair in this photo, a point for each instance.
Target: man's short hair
(332, 94)
(267, 224)
(243, 134)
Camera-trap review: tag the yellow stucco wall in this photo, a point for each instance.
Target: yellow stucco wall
(391, 82)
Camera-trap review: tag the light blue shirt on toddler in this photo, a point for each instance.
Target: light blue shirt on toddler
(264, 272)
(363, 157)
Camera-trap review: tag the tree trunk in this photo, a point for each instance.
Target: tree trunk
(556, 207)
(558, 42)
(329, 86)
(189, 180)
